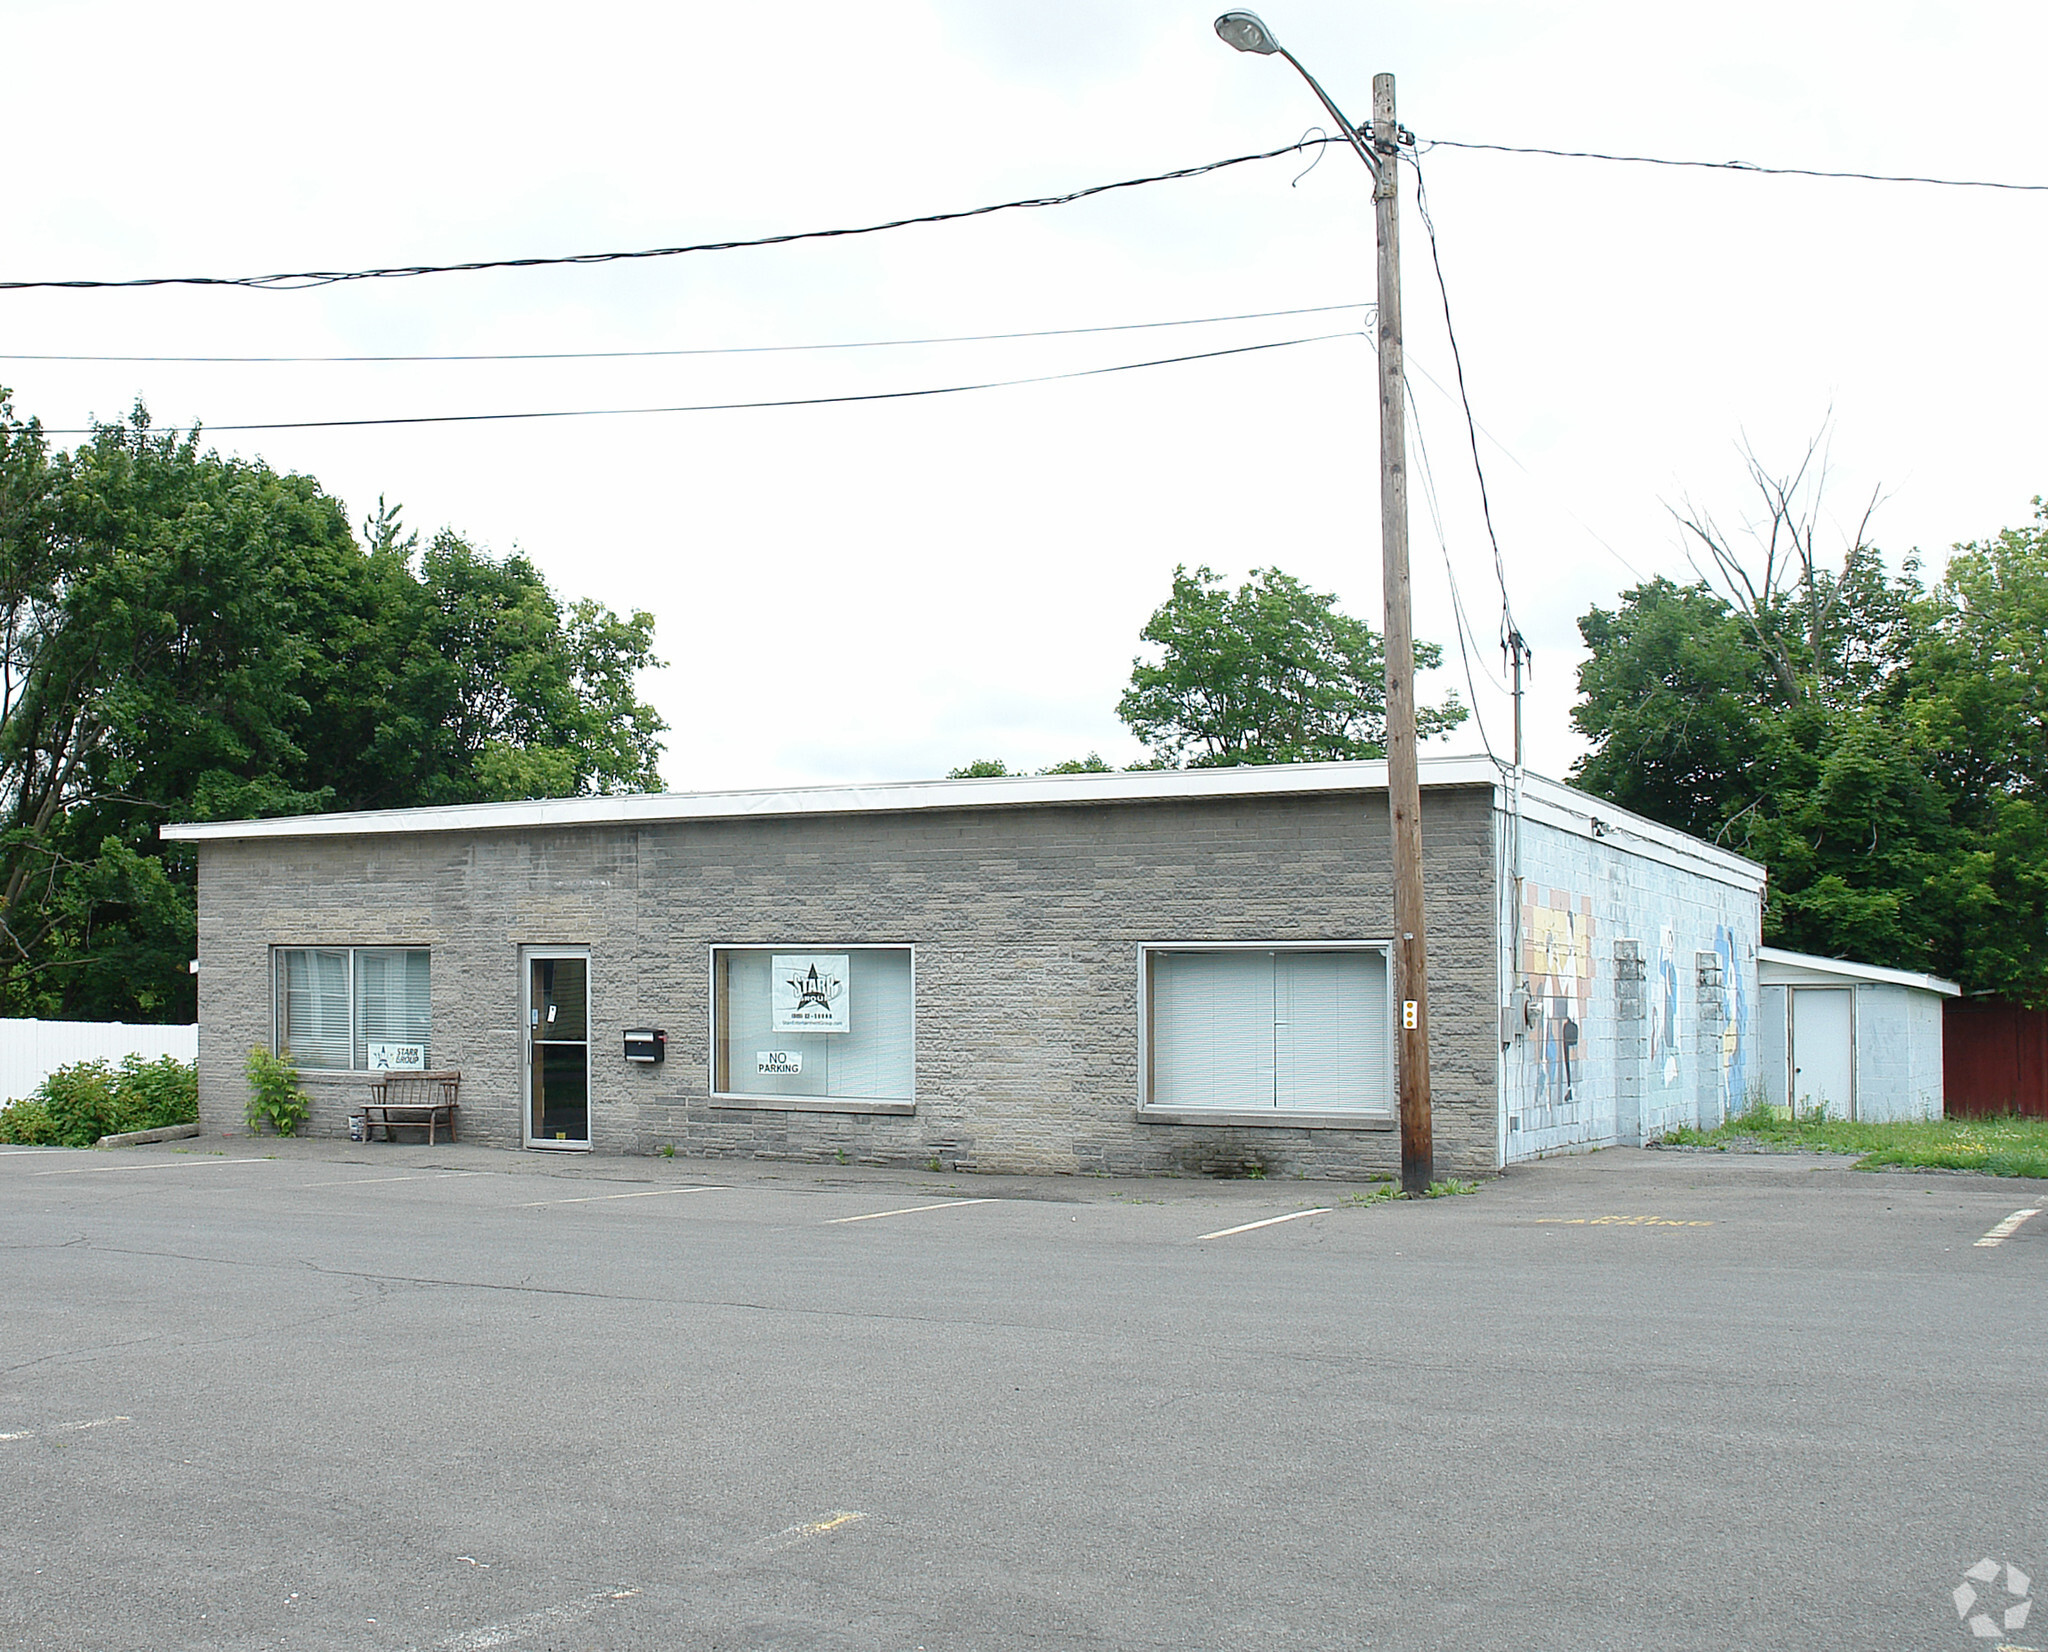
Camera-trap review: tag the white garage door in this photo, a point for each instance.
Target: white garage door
(1284, 1029)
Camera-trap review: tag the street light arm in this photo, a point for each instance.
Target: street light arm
(1350, 132)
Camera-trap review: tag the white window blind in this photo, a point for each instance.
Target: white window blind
(872, 1061)
(313, 998)
(394, 1003)
(1286, 1029)
(333, 1002)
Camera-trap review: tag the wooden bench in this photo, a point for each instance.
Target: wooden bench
(425, 1099)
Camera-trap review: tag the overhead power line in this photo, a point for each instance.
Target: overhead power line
(719, 350)
(1736, 166)
(300, 279)
(737, 407)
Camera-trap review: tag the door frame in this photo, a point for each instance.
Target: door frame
(528, 957)
(1792, 992)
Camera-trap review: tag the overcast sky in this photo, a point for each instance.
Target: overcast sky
(887, 590)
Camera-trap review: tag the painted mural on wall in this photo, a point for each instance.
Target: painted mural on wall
(1734, 1022)
(1557, 962)
(1664, 1011)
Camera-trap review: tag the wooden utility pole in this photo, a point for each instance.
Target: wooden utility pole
(1245, 32)
(1404, 786)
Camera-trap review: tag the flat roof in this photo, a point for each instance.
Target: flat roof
(1776, 967)
(1547, 801)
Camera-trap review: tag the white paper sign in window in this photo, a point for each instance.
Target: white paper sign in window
(810, 993)
(386, 1057)
(777, 1063)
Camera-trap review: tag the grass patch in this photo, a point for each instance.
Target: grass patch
(1991, 1147)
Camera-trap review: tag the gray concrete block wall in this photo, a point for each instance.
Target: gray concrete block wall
(1026, 924)
(1690, 1058)
(1898, 1053)
(1897, 1042)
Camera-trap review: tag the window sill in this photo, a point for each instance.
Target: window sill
(812, 1104)
(1271, 1118)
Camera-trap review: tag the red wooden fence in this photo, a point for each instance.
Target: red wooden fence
(1994, 1059)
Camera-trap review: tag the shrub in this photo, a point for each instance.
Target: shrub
(81, 1102)
(274, 1092)
(151, 1094)
(28, 1124)
(77, 1105)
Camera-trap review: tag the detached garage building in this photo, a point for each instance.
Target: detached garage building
(1859, 1041)
(1168, 971)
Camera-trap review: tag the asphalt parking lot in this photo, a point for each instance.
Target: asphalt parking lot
(316, 1395)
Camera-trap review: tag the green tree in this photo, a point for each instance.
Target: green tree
(482, 688)
(1827, 785)
(1979, 701)
(186, 636)
(1882, 749)
(1268, 673)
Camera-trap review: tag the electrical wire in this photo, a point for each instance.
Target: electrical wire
(1511, 633)
(300, 280)
(1459, 621)
(735, 407)
(1515, 459)
(1738, 166)
(717, 350)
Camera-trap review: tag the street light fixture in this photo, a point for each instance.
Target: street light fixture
(1248, 33)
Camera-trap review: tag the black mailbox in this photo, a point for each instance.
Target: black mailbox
(646, 1044)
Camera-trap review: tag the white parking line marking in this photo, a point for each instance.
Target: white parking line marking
(908, 1210)
(2005, 1229)
(67, 1428)
(598, 1198)
(365, 1181)
(535, 1623)
(167, 1164)
(1246, 1227)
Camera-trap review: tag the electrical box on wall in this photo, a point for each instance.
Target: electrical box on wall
(646, 1044)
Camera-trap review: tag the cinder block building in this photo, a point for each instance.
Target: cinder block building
(1855, 1041)
(1154, 972)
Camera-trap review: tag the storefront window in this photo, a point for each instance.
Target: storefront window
(832, 1023)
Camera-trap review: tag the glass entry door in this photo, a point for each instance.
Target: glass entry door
(557, 1049)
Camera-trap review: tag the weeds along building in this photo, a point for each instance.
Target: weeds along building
(1157, 972)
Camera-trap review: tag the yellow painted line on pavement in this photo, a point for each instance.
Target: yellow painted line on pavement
(600, 1198)
(908, 1210)
(2005, 1229)
(791, 1535)
(1618, 1222)
(1246, 1227)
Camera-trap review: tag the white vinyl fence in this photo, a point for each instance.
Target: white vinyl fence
(30, 1051)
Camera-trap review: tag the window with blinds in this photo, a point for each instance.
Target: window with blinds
(756, 1053)
(1280, 1029)
(335, 1003)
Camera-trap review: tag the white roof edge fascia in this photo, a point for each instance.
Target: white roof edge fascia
(1552, 803)
(1876, 973)
(1014, 791)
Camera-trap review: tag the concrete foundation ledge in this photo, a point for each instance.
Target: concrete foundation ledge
(1271, 1118)
(810, 1104)
(141, 1138)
